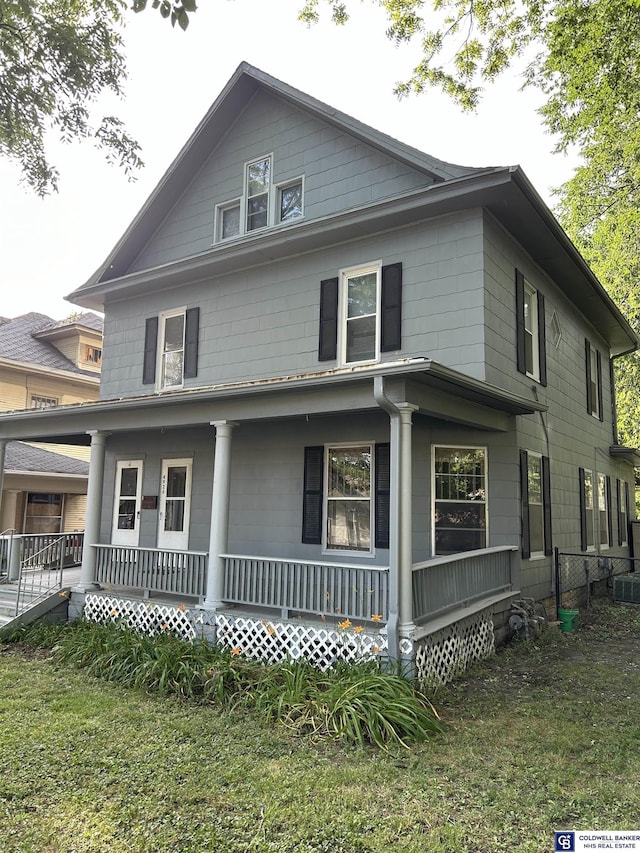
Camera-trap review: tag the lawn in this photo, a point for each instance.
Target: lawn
(544, 736)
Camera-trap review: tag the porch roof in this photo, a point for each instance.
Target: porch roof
(436, 390)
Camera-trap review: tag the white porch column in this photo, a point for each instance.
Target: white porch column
(405, 516)
(219, 530)
(94, 511)
(8, 510)
(3, 448)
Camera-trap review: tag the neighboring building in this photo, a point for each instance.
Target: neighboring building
(344, 379)
(45, 364)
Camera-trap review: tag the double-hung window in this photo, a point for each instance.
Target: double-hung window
(460, 499)
(535, 489)
(604, 510)
(587, 540)
(360, 311)
(622, 489)
(171, 348)
(530, 330)
(290, 201)
(593, 370)
(258, 183)
(346, 497)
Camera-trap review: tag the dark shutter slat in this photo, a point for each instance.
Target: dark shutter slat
(520, 336)
(328, 334)
(383, 494)
(524, 504)
(546, 505)
(587, 358)
(609, 510)
(150, 351)
(191, 334)
(599, 384)
(542, 340)
(391, 308)
(312, 495)
(583, 511)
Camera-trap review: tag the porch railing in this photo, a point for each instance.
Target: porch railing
(294, 586)
(152, 569)
(44, 557)
(444, 583)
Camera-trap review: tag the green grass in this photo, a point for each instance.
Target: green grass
(542, 737)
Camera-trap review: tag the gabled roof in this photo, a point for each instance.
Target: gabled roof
(20, 341)
(215, 125)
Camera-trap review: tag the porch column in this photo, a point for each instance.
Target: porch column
(94, 511)
(405, 516)
(219, 530)
(3, 448)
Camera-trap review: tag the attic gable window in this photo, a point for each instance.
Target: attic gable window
(263, 202)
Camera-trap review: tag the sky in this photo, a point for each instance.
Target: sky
(50, 247)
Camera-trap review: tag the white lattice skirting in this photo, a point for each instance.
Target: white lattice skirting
(441, 656)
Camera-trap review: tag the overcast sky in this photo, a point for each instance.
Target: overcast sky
(49, 247)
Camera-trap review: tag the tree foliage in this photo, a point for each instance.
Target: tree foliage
(57, 57)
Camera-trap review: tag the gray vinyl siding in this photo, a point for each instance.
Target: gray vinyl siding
(263, 322)
(339, 171)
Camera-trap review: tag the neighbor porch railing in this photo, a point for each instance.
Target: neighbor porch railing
(179, 573)
(43, 559)
(295, 586)
(445, 583)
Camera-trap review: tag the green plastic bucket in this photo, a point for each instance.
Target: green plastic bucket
(568, 620)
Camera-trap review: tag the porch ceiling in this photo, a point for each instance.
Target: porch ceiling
(435, 389)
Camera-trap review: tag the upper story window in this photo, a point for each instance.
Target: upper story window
(361, 314)
(38, 402)
(262, 203)
(92, 355)
(530, 329)
(460, 499)
(171, 348)
(593, 369)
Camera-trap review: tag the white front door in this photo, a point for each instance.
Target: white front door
(126, 510)
(175, 504)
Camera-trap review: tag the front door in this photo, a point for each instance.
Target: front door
(126, 511)
(175, 504)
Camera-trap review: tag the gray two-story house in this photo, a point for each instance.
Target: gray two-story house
(352, 396)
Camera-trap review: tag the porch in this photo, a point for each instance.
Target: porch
(273, 608)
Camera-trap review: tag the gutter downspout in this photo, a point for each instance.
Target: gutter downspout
(400, 624)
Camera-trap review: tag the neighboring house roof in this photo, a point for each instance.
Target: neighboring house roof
(19, 341)
(505, 192)
(85, 320)
(20, 457)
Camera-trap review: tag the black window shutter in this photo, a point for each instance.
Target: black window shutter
(191, 330)
(587, 359)
(312, 495)
(391, 308)
(383, 494)
(546, 505)
(327, 347)
(583, 511)
(609, 510)
(150, 351)
(520, 337)
(599, 378)
(619, 499)
(524, 504)
(542, 340)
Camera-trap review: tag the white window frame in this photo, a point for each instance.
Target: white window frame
(345, 275)
(531, 327)
(127, 535)
(219, 219)
(332, 549)
(277, 218)
(537, 456)
(435, 499)
(246, 198)
(592, 481)
(604, 501)
(623, 510)
(162, 320)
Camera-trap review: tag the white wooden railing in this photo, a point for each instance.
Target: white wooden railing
(444, 583)
(319, 588)
(152, 569)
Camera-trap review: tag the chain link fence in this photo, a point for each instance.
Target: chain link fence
(580, 576)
